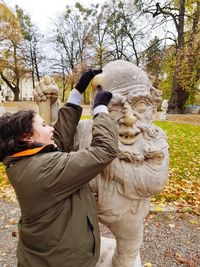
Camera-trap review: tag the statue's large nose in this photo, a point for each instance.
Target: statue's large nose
(129, 118)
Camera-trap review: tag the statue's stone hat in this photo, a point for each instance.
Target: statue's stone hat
(121, 76)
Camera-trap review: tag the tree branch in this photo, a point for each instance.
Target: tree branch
(160, 10)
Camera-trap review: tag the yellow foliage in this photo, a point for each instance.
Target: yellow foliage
(10, 29)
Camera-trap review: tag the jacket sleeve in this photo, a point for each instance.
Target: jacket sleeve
(67, 172)
(65, 127)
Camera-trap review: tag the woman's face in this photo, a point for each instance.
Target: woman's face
(42, 133)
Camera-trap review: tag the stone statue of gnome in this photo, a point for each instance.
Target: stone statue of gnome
(2, 109)
(164, 107)
(124, 188)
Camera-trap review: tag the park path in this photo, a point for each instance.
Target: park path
(171, 239)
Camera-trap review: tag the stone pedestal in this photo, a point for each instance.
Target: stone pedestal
(107, 250)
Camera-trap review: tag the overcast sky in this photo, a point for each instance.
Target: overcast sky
(42, 11)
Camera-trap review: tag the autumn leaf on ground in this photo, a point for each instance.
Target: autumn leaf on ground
(188, 262)
(193, 222)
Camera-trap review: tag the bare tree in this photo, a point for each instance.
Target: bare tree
(126, 27)
(31, 50)
(100, 37)
(72, 38)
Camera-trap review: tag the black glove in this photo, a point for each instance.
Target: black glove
(85, 79)
(102, 98)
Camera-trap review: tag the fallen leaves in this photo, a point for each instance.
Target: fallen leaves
(13, 221)
(158, 208)
(9, 221)
(2, 218)
(179, 258)
(193, 222)
(188, 262)
(14, 234)
(6, 191)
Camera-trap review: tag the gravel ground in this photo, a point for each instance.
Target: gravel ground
(171, 239)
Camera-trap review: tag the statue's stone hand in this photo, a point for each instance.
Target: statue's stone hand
(136, 159)
(153, 154)
(46, 89)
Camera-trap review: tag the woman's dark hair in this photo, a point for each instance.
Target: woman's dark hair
(13, 128)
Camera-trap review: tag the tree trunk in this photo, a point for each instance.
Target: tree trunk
(36, 66)
(63, 94)
(178, 96)
(84, 98)
(16, 93)
(33, 80)
(32, 65)
(15, 89)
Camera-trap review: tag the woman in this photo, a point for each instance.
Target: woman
(58, 225)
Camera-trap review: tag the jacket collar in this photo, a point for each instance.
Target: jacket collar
(29, 152)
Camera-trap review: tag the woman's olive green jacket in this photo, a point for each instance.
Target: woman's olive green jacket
(58, 225)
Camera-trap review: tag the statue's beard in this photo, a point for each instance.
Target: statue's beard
(126, 168)
(145, 144)
(135, 174)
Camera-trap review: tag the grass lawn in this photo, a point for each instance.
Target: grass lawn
(183, 188)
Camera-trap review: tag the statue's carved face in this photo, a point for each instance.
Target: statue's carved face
(130, 112)
(132, 104)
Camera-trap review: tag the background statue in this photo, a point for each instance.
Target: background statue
(124, 188)
(164, 107)
(2, 109)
